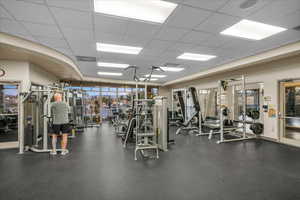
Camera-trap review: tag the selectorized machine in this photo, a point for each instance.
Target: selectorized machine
(225, 125)
(37, 116)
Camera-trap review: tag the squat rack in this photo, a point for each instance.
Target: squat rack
(222, 90)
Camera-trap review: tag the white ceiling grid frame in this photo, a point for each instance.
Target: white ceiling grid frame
(80, 5)
(195, 37)
(4, 14)
(187, 17)
(233, 8)
(171, 33)
(275, 14)
(61, 31)
(12, 27)
(217, 23)
(71, 18)
(29, 12)
(206, 4)
(43, 30)
(28, 36)
(108, 24)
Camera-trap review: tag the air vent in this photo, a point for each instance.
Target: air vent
(297, 28)
(171, 64)
(248, 3)
(86, 59)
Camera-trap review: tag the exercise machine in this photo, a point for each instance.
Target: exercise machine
(192, 111)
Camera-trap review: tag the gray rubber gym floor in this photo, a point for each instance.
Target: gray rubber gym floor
(195, 168)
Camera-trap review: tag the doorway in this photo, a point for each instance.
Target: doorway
(9, 108)
(290, 112)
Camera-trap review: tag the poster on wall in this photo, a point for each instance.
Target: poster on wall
(272, 111)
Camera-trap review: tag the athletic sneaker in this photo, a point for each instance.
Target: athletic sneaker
(64, 152)
(53, 153)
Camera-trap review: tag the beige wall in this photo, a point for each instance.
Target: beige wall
(268, 73)
(40, 77)
(25, 73)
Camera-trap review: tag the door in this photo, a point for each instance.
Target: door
(9, 115)
(290, 113)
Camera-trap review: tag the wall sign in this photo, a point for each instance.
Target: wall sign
(267, 98)
(2, 72)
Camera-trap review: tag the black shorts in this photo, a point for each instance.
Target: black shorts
(60, 128)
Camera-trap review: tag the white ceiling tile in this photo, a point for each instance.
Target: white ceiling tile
(195, 37)
(107, 24)
(109, 57)
(176, 1)
(28, 11)
(205, 50)
(4, 13)
(206, 4)
(83, 48)
(53, 42)
(34, 1)
(170, 56)
(183, 47)
(12, 27)
(73, 34)
(215, 41)
(159, 44)
(71, 18)
(217, 23)
(26, 37)
(85, 5)
(109, 38)
(187, 17)
(171, 34)
(233, 7)
(151, 52)
(135, 40)
(66, 52)
(144, 29)
(281, 13)
(43, 30)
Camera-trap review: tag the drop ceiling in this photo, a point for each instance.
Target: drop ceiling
(73, 28)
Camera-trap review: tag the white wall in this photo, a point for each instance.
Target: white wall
(16, 71)
(269, 74)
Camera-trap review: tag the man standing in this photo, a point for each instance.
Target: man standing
(60, 114)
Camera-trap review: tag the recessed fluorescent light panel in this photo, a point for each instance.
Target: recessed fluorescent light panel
(172, 69)
(112, 65)
(194, 56)
(110, 74)
(156, 76)
(152, 79)
(252, 30)
(113, 48)
(146, 10)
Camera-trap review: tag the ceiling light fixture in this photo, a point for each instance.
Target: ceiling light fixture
(152, 79)
(113, 48)
(110, 74)
(252, 30)
(112, 65)
(172, 69)
(154, 11)
(194, 56)
(156, 76)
